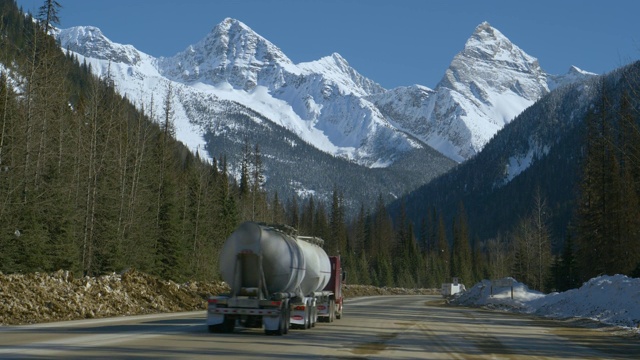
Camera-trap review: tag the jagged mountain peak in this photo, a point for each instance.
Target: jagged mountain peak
(486, 85)
(576, 70)
(231, 52)
(489, 44)
(228, 23)
(335, 59)
(574, 75)
(336, 69)
(91, 42)
(238, 40)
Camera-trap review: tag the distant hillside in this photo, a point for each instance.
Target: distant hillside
(543, 148)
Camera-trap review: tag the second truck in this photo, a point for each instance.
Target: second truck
(278, 281)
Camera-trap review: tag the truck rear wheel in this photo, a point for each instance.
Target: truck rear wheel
(307, 319)
(287, 317)
(215, 328)
(281, 328)
(332, 310)
(227, 326)
(283, 322)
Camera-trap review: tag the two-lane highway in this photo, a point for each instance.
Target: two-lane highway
(382, 327)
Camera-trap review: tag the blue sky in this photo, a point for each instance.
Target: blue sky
(393, 42)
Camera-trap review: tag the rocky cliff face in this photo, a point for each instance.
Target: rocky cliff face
(231, 53)
(91, 42)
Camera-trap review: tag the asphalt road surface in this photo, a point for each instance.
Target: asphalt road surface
(382, 327)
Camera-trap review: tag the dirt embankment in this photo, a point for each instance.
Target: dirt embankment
(37, 297)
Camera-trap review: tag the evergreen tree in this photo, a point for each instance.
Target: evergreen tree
(442, 259)
(294, 212)
(461, 261)
(542, 241)
(606, 236)
(48, 14)
(258, 197)
(590, 235)
(628, 252)
(359, 231)
(364, 270)
(244, 170)
(338, 237)
(567, 271)
(307, 225)
(382, 230)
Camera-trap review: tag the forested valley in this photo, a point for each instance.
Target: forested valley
(93, 184)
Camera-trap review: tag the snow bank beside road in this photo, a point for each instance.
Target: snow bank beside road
(613, 300)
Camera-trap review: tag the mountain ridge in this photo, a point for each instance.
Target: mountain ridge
(325, 103)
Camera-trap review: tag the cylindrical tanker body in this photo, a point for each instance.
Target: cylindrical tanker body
(318, 266)
(278, 280)
(253, 250)
(289, 264)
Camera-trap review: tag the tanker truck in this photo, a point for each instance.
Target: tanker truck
(278, 280)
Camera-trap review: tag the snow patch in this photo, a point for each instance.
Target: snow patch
(517, 164)
(612, 300)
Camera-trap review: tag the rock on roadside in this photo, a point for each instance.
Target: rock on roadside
(37, 297)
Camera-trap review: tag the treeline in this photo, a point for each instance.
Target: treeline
(382, 251)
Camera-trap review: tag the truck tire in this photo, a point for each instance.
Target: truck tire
(304, 326)
(215, 328)
(227, 326)
(281, 331)
(282, 325)
(332, 310)
(287, 317)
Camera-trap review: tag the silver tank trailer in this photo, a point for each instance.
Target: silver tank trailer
(318, 266)
(290, 264)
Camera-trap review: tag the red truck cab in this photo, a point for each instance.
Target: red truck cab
(338, 276)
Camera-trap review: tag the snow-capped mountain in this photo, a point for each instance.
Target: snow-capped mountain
(234, 74)
(574, 75)
(487, 84)
(323, 102)
(320, 101)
